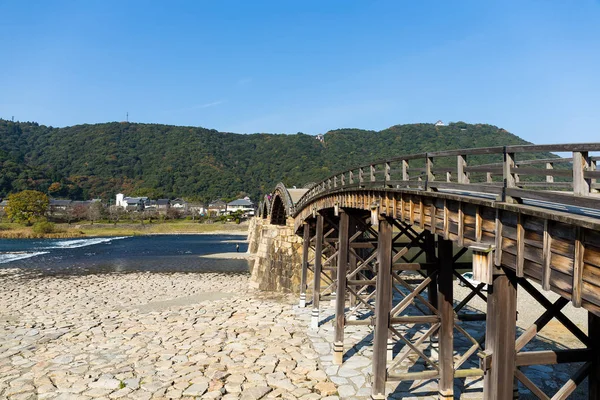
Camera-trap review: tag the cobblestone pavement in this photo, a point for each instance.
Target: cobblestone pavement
(353, 377)
(170, 336)
(152, 336)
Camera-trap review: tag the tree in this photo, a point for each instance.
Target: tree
(26, 206)
(77, 212)
(95, 211)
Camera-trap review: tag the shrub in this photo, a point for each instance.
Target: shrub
(43, 227)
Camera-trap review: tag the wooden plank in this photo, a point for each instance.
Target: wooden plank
(578, 267)
(520, 246)
(446, 226)
(542, 172)
(540, 323)
(461, 226)
(471, 187)
(446, 311)
(534, 148)
(546, 257)
(569, 387)
(383, 302)
(530, 385)
(591, 274)
(554, 197)
(499, 234)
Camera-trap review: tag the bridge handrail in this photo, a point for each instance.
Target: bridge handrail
(583, 175)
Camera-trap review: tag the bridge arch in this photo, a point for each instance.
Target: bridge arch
(489, 208)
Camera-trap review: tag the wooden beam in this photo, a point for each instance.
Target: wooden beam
(552, 357)
(546, 256)
(314, 322)
(578, 266)
(340, 298)
(498, 234)
(431, 261)
(520, 246)
(382, 309)
(446, 310)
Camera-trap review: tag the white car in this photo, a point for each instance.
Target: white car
(469, 278)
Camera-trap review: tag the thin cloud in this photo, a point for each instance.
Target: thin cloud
(198, 106)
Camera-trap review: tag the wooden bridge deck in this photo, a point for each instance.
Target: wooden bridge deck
(368, 225)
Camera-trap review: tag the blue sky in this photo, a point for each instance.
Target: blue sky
(531, 67)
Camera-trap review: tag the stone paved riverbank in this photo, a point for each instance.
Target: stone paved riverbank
(152, 336)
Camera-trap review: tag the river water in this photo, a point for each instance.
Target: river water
(160, 253)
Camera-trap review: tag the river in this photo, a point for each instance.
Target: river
(159, 253)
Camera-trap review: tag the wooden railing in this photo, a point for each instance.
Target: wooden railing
(569, 181)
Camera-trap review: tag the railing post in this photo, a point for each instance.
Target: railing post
(305, 247)
(461, 163)
(549, 178)
(340, 298)
(510, 181)
(314, 322)
(335, 181)
(581, 163)
(593, 167)
(405, 175)
(372, 172)
(388, 169)
(429, 170)
(361, 176)
(383, 301)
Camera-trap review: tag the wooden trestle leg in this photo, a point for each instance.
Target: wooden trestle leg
(500, 336)
(340, 299)
(314, 321)
(594, 374)
(305, 247)
(382, 308)
(446, 310)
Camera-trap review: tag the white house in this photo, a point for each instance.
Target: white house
(131, 203)
(440, 123)
(245, 205)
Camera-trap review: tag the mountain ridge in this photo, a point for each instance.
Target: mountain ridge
(99, 160)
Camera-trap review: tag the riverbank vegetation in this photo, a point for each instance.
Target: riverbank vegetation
(87, 229)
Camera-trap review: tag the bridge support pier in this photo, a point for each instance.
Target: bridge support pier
(340, 306)
(445, 298)
(303, 276)
(500, 336)
(594, 374)
(314, 320)
(383, 301)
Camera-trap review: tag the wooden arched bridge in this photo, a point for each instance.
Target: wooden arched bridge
(388, 237)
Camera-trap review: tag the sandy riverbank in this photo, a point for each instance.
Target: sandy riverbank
(152, 335)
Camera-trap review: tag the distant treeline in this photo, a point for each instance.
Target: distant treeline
(163, 161)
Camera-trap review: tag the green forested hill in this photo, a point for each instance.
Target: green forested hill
(165, 161)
